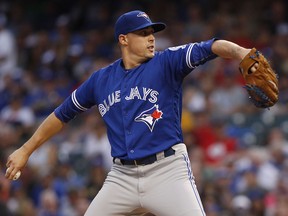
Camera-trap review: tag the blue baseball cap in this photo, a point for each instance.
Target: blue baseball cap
(135, 20)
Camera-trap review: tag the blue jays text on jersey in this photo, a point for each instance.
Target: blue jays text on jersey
(141, 106)
(114, 97)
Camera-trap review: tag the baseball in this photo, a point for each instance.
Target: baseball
(17, 175)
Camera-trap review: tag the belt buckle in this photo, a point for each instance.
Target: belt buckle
(135, 162)
(160, 155)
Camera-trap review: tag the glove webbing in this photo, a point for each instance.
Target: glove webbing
(259, 93)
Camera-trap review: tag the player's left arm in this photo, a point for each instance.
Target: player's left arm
(261, 81)
(229, 50)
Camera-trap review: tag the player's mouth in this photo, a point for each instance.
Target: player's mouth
(151, 48)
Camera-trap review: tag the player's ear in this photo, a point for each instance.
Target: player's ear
(123, 39)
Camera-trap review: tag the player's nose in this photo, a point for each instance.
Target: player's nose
(151, 37)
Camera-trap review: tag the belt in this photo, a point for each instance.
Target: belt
(149, 159)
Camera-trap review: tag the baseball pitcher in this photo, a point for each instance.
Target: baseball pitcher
(139, 97)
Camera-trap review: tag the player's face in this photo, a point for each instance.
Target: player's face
(142, 43)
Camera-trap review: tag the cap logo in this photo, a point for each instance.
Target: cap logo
(144, 15)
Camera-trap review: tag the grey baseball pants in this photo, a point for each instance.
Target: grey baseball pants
(165, 188)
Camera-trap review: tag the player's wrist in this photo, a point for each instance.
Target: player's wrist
(243, 52)
(26, 150)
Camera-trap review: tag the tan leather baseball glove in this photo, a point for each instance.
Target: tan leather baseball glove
(261, 83)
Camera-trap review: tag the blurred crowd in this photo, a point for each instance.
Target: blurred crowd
(239, 153)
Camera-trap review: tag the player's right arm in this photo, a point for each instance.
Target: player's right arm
(47, 129)
(79, 101)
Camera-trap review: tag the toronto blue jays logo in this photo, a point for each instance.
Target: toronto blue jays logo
(144, 15)
(150, 117)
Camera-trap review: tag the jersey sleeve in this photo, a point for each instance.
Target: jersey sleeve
(183, 59)
(79, 101)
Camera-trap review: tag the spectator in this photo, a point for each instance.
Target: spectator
(20, 117)
(8, 53)
(49, 204)
(96, 141)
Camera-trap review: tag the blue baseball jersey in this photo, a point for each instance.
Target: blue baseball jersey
(141, 106)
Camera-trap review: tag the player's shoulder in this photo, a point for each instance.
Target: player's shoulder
(177, 48)
(107, 70)
(173, 50)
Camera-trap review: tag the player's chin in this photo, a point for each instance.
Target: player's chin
(150, 54)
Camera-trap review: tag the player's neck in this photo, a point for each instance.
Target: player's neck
(129, 63)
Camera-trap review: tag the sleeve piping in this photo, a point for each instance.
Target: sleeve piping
(76, 103)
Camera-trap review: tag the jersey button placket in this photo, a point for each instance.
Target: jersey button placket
(125, 113)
